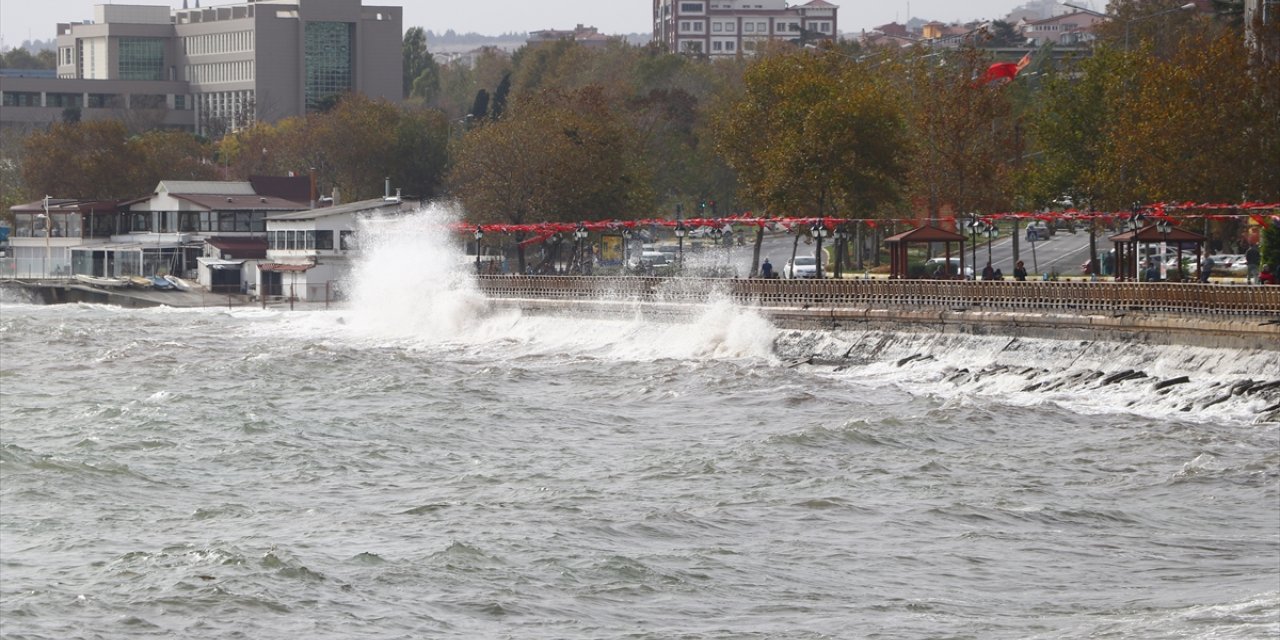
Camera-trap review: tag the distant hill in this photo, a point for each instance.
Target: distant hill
(453, 42)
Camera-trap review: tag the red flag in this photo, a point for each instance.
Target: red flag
(999, 71)
(1026, 60)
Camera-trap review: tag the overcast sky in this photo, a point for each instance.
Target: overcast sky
(35, 19)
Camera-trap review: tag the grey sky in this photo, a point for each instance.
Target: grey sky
(35, 19)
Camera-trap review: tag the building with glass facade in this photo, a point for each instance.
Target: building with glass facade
(216, 69)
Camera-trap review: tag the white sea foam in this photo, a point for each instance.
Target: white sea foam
(413, 285)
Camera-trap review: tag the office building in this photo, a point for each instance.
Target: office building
(213, 69)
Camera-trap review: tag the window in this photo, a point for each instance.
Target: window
(64, 100)
(691, 7)
(141, 59)
(328, 61)
(728, 46)
(729, 27)
(697, 27)
(762, 27)
(716, 27)
(324, 239)
(346, 240)
(310, 239)
(716, 46)
(21, 99)
(749, 27)
(141, 222)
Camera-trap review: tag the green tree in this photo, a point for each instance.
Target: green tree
(416, 58)
(812, 135)
(556, 156)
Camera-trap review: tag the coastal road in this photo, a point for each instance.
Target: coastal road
(1063, 252)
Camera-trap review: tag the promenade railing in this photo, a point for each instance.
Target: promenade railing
(1031, 296)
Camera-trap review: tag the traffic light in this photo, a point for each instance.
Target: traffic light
(702, 206)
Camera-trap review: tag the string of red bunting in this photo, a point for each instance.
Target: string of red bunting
(1171, 211)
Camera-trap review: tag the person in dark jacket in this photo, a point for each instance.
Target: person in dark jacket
(1020, 272)
(988, 273)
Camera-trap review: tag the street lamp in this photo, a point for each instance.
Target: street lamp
(841, 235)
(48, 230)
(1186, 7)
(680, 232)
(479, 234)
(819, 231)
(1134, 224)
(579, 235)
(976, 227)
(1164, 226)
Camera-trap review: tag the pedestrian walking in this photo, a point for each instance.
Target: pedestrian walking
(1252, 258)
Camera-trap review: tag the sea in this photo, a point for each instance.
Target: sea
(415, 463)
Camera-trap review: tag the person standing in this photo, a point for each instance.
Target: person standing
(766, 269)
(1252, 258)
(1020, 272)
(1206, 268)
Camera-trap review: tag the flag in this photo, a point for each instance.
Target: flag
(1026, 60)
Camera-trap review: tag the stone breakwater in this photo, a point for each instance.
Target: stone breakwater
(1170, 364)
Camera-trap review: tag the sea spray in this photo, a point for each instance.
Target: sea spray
(412, 279)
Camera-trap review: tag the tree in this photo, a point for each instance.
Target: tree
(556, 156)
(416, 58)
(813, 135)
(97, 159)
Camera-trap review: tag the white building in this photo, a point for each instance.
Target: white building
(733, 27)
(309, 253)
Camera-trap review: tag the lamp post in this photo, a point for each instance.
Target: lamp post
(1186, 7)
(680, 232)
(975, 227)
(840, 235)
(579, 235)
(479, 234)
(48, 231)
(1164, 227)
(1134, 223)
(819, 232)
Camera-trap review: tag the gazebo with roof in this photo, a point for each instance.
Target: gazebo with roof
(1127, 243)
(926, 234)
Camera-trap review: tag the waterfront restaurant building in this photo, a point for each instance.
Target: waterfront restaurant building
(211, 70)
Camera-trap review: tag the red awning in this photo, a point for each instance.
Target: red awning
(276, 266)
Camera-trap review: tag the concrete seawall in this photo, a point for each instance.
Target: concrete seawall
(1145, 328)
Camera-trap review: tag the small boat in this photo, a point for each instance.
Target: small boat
(141, 282)
(178, 283)
(160, 283)
(97, 281)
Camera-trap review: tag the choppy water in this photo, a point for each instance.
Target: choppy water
(415, 467)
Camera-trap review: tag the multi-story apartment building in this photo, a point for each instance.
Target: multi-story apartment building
(217, 68)
(733, 27)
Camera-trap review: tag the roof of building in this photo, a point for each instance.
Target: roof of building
(205, 187)
(819, 4)
(295, 188)
(240, 247)
(926, 234)
(361, 206)
(242, 203)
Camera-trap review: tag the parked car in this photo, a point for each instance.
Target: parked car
(800, 267)
(932, 265)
